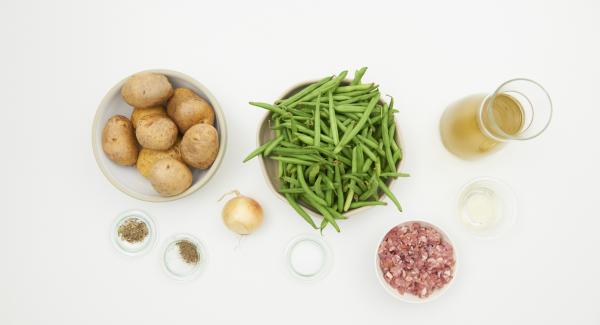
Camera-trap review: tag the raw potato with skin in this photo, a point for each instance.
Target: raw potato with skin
(200, 146)
(140, 112)
(156, 132)
(149, 157)
(187, 109)
(170, 177)
(146, 89)
(118, 141)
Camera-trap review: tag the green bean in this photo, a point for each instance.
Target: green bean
(352, 133)
(347, 152)
(350, 194)
(360, 204)
(358, 76)
(372, 144)
(360, 158)
(392, 132)
(373, 186)
(352, 177)
(332, 120)
(313, 171)
(300, 113)
(328, 86)
(300, 190)
(293, 160)
(339, 192)
(299, 210)
(386, 140)
(389, 193)
(356, 99)
(317, 186)
(288, 143)
(395, 175)
(320, 207)
(375, 120)
(290, 180)
(351, 88)
(323, 225)
(302, 128)
(340, 97)
(325, 128)
(293, 151)
(289, 168)
(272, 145)
(397, 155)
(367, 165)
(377, 168)
(329, 153)
(349, 198)
(368, 152)
(352, 116)
(305, 91)
(336, 215)
(272, 108)
(307, 191)
(280, 168)
(350, 109)
(315, 158)
(305, 138)
(328, 179)
(356, 189)
(357, 93)
(258, 150)
(317, 123)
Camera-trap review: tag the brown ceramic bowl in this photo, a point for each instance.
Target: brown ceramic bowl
(270, 167)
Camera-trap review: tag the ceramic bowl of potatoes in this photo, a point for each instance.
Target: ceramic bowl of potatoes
(159, 135)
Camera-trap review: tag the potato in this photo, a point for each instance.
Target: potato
(148, 157)
(200, 146)
(187, 109)
(146, 89)
(140, 112)
(170, 176)
(118, 141)
(156, 132)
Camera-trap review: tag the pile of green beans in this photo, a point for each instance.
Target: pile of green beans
(335, 144)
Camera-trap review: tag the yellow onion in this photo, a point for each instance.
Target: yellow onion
(242, 215)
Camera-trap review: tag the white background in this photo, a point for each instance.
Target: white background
(57, 265)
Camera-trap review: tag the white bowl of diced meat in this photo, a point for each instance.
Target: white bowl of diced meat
(415, 261)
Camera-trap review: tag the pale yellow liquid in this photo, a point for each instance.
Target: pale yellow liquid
(461, 132)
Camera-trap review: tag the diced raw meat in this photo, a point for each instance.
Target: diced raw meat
(416, 260)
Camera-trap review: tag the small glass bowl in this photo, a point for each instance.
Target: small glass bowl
(173, 263)
(306, 268)
(504, 208)
(133, 249)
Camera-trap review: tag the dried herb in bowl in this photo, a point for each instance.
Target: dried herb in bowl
(133, 230)
(188, 251)
(335, 145)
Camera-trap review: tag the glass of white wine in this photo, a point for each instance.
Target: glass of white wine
(476, 125)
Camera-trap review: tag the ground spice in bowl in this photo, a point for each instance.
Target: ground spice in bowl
(133, 230)
(188, 251)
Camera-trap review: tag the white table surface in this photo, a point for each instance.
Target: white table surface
(59, 58)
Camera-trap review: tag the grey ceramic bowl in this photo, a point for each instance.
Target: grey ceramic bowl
(270, 167)
(127, 179)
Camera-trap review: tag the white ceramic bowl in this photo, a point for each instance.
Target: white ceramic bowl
(409, 297)
(126, 178)
(269, 167)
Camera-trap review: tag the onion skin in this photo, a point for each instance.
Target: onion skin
(242, 215)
